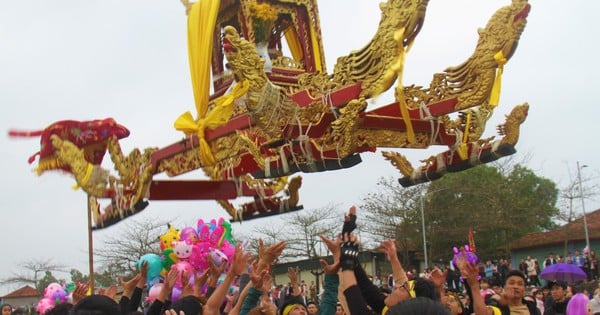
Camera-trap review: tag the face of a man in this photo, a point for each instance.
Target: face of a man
(558, 293)
(312, 309)
(339, 310)
(514, 288)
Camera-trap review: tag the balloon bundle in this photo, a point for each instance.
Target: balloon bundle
(466, 252)
(188, 251)
(54, 294)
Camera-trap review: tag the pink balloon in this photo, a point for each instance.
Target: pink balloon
(153, 292)
(182, 267)
(45, 305)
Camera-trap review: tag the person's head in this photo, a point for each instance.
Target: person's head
(190, 305)
(558, 289)
(484, 284)
(453, 303)
(579, 304)
(400, 292)
(312, 308)
(419, 306)
(293, 306)
(497, 288)
(515, 284)
(339, 310)
(101, 304)
(6, 309)
(538, 295)
(60, 309)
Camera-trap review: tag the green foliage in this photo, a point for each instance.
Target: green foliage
(45, 281)
(500, 208)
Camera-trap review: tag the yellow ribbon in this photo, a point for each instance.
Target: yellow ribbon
(495, 94)
(463, 148)
(86, 177)
(398, 66)
(218, 116)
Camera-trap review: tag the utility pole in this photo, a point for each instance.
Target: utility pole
(585, 227)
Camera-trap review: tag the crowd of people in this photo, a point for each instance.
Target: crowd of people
(481, 289)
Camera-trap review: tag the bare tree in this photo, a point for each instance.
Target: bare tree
(31, 271)
(301, 232)
(390, 213)
(121, 250)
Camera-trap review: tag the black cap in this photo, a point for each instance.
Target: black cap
(190, 305)
(561, 283)
(97, 302)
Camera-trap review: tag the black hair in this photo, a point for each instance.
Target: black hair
(60, 309)
(419, 306)
(517, 273)
(425, 288)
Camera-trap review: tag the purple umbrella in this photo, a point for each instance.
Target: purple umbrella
(566, 272)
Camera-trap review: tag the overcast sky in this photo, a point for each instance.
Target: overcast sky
(94, 59)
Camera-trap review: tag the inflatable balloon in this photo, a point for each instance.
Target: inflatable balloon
(167, 239)
(182, 249)
(176, 293)
(182, 267)
(466, 251)
(168, 258)
(189, 233)
(153, 292)
(44, 305)
(218, 258)
(51, 289)
(154, 265)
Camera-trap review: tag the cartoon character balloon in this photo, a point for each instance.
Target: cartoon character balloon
(154, 265)
(167, 239)
(44, 305)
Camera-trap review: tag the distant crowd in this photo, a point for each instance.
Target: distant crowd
(202, 280)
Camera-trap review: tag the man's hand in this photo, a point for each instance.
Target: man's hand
(334, 248)
(81, 290)
(388, 247)
(267, 255)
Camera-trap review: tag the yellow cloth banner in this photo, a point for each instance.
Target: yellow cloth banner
(398, 66)
(495, 94)
(218, 116)
(202, 19)
(463, 149)
(316, 49)
(291, 37)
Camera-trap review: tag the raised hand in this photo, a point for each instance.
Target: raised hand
(187, 289)
(349, 252)
(267, 255)
(129, 286)
(239, 261)
(334, 248)
(256, 276)
(110, 292)
(388, 247)
(81, 290)
(349, 221)
(438, 277)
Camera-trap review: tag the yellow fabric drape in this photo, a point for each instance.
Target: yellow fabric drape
(316, 49)
(291, 37)
(398, 67)
(463, 149)
(202, 19)
(495, 94)
(218, 116)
